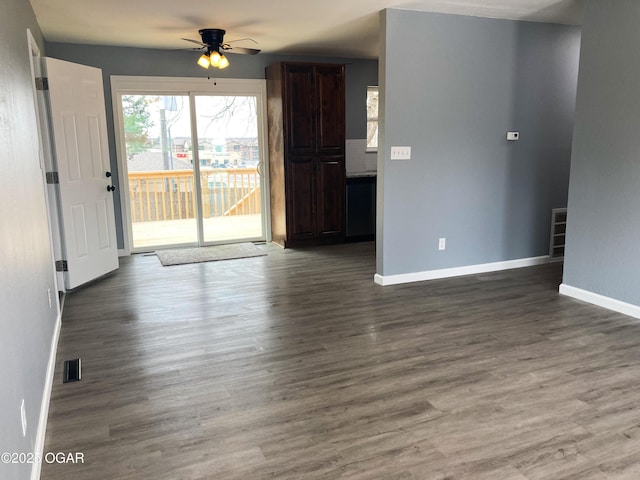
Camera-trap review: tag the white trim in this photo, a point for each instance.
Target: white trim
(47, 162)
(385, 280)
(193, 120)
(142, 85)
(38, 448)
(600, 300)
(123, 174)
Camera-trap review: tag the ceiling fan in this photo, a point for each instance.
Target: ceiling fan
(216, 47)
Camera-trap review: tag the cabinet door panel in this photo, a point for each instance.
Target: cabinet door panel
(331, 115)
(331, 196)
(300, 99)
(301, 191)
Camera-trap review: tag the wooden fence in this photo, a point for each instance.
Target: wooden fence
(171, 194)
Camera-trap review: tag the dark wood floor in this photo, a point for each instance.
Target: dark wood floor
(296, 366)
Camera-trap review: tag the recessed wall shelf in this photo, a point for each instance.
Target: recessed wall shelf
(558, 232)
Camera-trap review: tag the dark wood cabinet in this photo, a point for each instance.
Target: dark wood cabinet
(306, 114)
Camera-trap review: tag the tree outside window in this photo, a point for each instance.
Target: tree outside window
(372, 119)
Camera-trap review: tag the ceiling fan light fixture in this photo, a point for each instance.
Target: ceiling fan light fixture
(215, 58)
(223, 63)
(204, 61)
(213, 42)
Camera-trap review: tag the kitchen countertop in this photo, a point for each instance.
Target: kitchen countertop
(366, 173)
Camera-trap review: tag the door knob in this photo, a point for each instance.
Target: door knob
(111, 188)
(107, 174)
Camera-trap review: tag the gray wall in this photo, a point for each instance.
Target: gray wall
(26, 323)
(452, 86)
(149, 62)
(603, 236)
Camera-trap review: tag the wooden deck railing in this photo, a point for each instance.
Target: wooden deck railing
(171, 194)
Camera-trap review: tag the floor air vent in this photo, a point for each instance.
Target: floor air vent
(72, 371)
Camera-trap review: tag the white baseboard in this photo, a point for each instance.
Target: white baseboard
(38, 448)
(600, 300)
(385, 280)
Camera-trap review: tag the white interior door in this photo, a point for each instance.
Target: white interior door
(80, 141)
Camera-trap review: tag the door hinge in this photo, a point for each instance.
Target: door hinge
(61, 266)
(42, 83)
(52, 178)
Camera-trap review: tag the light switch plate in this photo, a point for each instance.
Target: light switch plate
(400, 153)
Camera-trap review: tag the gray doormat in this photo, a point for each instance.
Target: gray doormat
(181, 256)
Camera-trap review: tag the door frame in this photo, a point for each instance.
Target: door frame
(142, 85)
(47, 163)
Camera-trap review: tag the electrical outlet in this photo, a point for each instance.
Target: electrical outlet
(442, 244)
(23, 418)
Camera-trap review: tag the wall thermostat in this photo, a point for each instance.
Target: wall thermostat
(513, 136)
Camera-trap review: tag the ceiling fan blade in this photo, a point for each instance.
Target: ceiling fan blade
(197, 42)
(242, 40)
(212, 39)
(241, 50)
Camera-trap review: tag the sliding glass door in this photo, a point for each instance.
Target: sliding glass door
(194, 167)
(230, 165)
(162, 204)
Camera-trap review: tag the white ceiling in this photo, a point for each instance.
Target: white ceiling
(346, 28)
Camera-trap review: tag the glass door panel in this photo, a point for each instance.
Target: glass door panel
(162, 197)
(230, 173)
